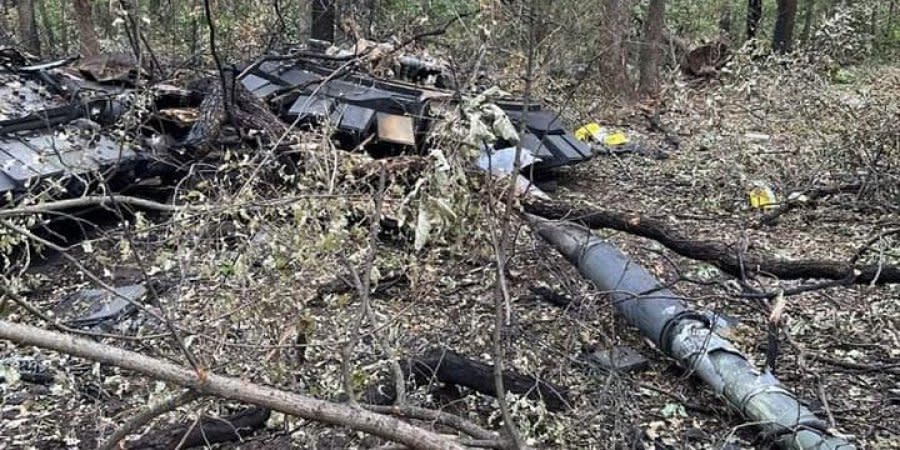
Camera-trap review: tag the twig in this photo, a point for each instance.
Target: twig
(226, 99)
(363, 284)
(502, 298)
(446, 419)
(865, 247)
(812, 195)
(154, 293)
(816, 356)
(144, 417)
(230, 388)
(83, 202)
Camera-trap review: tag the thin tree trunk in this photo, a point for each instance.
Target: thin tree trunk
(889, 23)
(613, 64)
(726, 16)
(48, 26)
(650, 51)
(5, 38)
(87, 36)
(783, 35)
(28, 27)
(809, 12)
(754, 13)
(323, 20)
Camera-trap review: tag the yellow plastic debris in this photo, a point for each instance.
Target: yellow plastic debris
(588, 131)
(613, 139)
(761, 197)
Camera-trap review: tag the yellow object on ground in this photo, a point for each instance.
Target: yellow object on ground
(593, 131)
(613, 139)
(588, 131)
(761, 197)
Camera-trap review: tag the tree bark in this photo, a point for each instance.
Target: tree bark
(230, 388)
(87, 36)
(48, 26)
(28, 27)
(726, 15)
(754, 13)
(323, 20)
(809, 12)
(613, 63)
(783, 35)
(449, 367)
(4, 24)
(650, 51)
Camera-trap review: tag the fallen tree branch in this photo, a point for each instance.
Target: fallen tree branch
(83, 202)
(230, 388)
(205, 431)
(719, 254)
(146, 415)
(452, 368)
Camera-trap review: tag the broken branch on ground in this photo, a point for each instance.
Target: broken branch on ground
(722, 255)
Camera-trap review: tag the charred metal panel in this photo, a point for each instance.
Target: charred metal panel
(396, 129)
(315, 109)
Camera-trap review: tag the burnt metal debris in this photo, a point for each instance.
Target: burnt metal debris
(57, 118)
(94, 307)
(45, 136)
(690, 338)
(398, 113)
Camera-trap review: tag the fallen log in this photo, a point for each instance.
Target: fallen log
(687, 336)
(449, 367)
(727, 258)
(208, 431)
(236, 105)
(230, 388)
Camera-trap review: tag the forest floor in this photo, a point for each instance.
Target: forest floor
(249, 286)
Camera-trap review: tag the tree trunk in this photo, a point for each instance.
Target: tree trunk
(726, 16)
(323, 20)
(28, 27)
(87, 36)
(889, 23)
(754, 13)
(809, 12)
(5, 38)
(613, 63)
(650, 52)
(783, 35)
(48, 26)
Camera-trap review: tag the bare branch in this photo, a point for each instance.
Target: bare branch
(146, 415)
(84, 202)
(230, 388)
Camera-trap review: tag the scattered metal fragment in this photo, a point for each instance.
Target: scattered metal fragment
(39, 144)
(619, 358)
(93, 307)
